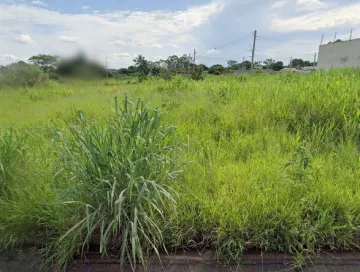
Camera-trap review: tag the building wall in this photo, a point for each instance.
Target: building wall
(339, 54)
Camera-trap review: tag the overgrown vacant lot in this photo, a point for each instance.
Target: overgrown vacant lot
(269, 162)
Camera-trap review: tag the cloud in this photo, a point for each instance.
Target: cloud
(144, 43)
(213, 50)
(85, 7)
(122, 55)
(67, 39)
(279, 4)
(39, 3)
(25, 39)
(310, 5)
(8, 58)
(339, 16)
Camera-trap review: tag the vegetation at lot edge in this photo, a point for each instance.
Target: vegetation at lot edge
(273, 165)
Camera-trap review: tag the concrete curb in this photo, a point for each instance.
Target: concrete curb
(199, 262)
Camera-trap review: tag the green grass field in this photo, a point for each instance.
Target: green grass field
(269, 162)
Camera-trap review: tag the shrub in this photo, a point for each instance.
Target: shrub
(196, 74)
(21, 74)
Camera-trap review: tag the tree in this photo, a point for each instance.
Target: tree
(154, 67)
(269, 63)
(142, 65)
(246, 64)
(47, 63)
(216, 69)
(231, 63)
(204, 67)
(277, 66)
(123, 71)
(297, 63)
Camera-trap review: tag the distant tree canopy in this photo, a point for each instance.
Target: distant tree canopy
(216, 69)
(204, 67)
(277, 66)
(297, 63)
(141, 65)
(273, 65)
(246, 64)
(231, 63)
(47, 63)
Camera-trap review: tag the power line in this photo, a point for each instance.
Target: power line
(282, 52)
(221, 55)
(283, 41)
(226, 44)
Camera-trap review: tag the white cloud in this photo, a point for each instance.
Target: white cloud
(39, 3)
(85, 7)
(23, 38)
(213, 50)
(144, 43)
(347, 15)
(279, 4)
(8, 58)
(100, 34)
(67, 39)
(310, 5)
(122, 55)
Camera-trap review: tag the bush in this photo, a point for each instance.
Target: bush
(196, 73)
(21, 74)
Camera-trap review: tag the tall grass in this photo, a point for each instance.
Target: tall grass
(274, 166)
(119, 176)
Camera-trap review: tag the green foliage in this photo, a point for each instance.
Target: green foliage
(216, 69)
(47, 63)
(120, 175)
(142, 66)
(197, 73)
(274, 165)
(231, 63)
(297, 63)
(20, 74)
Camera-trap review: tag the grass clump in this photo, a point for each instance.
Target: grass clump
(119, 175)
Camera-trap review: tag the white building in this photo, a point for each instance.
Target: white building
(339, 54)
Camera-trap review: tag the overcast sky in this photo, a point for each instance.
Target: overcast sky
(219, 29)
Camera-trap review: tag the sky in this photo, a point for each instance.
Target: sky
(219, 30)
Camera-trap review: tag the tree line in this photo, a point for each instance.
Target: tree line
(53, 67)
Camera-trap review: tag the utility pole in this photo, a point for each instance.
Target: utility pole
(106, 69)
(315, 60)
(335, 36)
(194, 56)
(253, 53)
(322, 39)
(188, 70)
(242, 65)
(290, 62)
(351, 34)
